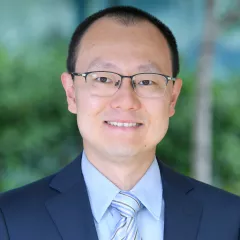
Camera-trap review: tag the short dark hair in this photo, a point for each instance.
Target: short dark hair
(126, 15)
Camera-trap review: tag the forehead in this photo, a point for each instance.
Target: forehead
(101, 63)
(140, 43)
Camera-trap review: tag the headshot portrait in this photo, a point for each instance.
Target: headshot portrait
(121, 87)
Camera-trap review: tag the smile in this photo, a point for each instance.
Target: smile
(125, 124)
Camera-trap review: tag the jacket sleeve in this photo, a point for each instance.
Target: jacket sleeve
(3, 228)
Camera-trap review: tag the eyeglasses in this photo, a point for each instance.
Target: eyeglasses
(103, 83)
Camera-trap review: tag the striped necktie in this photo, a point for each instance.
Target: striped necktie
(128, 206)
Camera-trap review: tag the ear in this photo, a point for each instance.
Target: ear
(68, 86)
(176, 89)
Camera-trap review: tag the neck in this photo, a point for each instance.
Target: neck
(124, 172)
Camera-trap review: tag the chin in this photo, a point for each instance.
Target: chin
(122, 151)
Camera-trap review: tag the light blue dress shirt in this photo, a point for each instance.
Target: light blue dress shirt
(148, 190)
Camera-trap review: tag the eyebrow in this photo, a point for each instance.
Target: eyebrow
(149, 68)
(99, 63)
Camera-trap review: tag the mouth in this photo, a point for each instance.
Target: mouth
(123, 124)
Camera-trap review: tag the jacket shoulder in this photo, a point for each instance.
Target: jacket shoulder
(215, 194)
(212, 195)
(199, 190)
(30, 193)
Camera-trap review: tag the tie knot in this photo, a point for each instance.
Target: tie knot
(126, 203)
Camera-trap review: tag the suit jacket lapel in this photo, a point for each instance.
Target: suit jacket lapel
(182, 212)
(70, 209)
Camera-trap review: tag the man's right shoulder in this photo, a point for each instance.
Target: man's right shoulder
(33, 192)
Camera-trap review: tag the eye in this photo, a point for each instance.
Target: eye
(103, 79)
(146, 82)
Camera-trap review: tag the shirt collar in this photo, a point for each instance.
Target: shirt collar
(102, 191)
(149, 190)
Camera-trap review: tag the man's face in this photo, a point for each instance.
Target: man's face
(111, 46)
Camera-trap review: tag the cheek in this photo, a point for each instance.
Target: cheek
(159, 117)
(89, 107)
(158, 110)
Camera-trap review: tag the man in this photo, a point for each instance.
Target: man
(122, 84)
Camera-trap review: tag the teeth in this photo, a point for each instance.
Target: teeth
(118, 124)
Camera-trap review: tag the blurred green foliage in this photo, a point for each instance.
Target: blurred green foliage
(176, 147)
(38, 135)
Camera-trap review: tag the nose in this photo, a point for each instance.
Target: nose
(125, 98)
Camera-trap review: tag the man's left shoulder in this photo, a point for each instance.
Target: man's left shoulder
(213, 195)
(199, 190)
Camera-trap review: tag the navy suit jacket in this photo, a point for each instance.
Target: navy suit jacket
(57, 208)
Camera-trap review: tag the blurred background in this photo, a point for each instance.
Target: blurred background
(38, 135)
